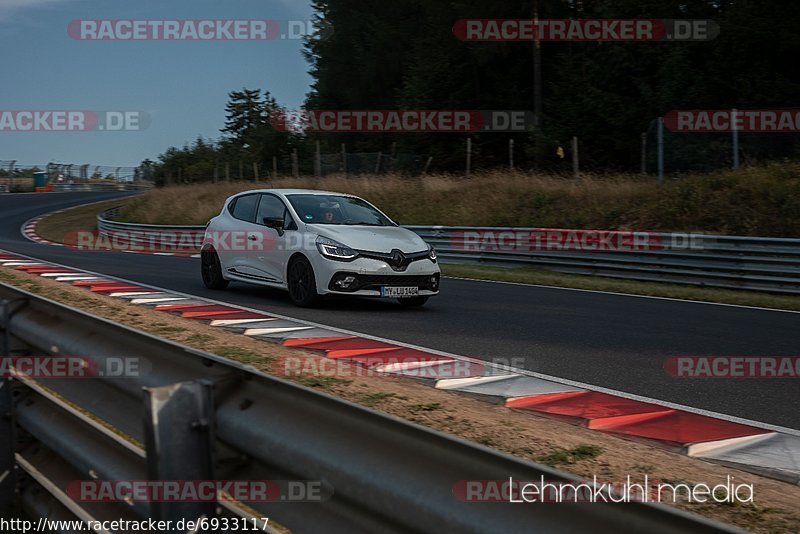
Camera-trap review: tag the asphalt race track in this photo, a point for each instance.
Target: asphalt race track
(614, 341)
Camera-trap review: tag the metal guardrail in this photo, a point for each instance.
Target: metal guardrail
(117, 186)
(736, 262)
(4, 188)
(191, 415)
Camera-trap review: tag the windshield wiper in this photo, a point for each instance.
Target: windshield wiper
(361, 223)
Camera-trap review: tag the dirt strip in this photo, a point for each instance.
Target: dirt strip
(581, 451)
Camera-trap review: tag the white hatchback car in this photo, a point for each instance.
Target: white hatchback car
(316, 243)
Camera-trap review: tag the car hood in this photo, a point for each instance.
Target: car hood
(372, 238)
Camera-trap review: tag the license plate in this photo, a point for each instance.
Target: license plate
(399, 292)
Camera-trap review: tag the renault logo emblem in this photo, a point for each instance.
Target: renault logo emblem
(398, 257)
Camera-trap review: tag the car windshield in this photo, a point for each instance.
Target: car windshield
(339, 210)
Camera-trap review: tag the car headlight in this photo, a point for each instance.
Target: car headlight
(432, 253)
(334, 250)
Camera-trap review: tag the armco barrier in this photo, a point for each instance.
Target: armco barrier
(191, 416)
(99, 187)
(751, 263)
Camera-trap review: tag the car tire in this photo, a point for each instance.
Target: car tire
(302, 283)
(413, 302)
(212, 270)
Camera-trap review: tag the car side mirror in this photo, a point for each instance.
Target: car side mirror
(275, 223)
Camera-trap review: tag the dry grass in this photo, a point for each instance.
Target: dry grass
(754, 201)
(59, 226)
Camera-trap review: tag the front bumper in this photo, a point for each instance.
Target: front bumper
(370, 284)
(371, 274)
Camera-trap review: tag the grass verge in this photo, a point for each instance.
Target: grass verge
(761, 201)
(57, 226)
(528, 275)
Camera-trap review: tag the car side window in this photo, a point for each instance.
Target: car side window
(270, 207)
(245, 208)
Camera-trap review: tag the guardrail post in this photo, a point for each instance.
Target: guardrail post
(735, 128)
(179, 439)
(8, 478)
(660, 143)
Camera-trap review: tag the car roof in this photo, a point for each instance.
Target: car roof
(294, 192)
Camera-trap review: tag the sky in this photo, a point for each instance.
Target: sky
(182, 85)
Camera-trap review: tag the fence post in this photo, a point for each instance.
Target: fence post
(735, 133)
(317, 161)
(295, 165)
(274, 167)
(511, 154)
(378, 164)
(216, 172)
(469, 156)
(427, 165)
(241, 170)
(179, 434)
(344, 159)
(644, 154)
(255, 171)
(660, 141)
(576, 169)
(227, 171)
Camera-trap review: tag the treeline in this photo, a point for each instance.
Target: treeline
(404, 55)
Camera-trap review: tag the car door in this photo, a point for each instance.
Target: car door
(270, 259)
(235, 241)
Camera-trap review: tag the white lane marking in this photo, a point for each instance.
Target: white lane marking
(709, 447)
(231, 322)
(276, 330)
(158, 300)
(450, 383)
(574, 383)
